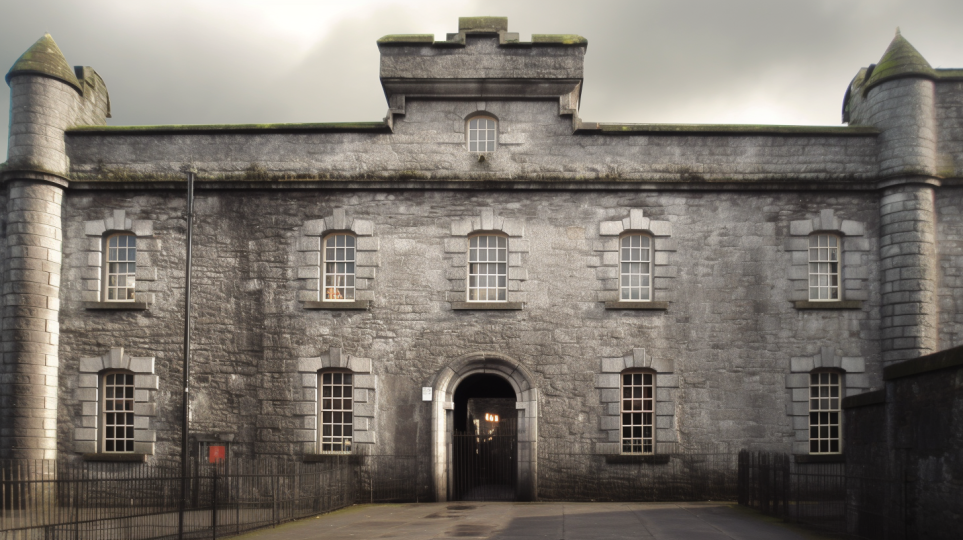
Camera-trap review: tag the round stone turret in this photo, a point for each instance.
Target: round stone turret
(897, 95)
(44, 99)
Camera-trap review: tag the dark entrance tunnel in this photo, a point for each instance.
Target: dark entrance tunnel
(478, 386)
(484, 440)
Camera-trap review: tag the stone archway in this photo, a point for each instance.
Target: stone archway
(442, 405)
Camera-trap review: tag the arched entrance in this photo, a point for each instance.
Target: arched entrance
(472, 370)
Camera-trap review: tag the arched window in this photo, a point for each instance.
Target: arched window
(488, 268)
(825, 415)
(824, 267)
(482, 134)
(635, 267)
(117, 412)
(339, 259)
(121, 267)
(336, 407)
(638, 412)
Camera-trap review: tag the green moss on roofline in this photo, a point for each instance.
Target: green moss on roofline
(900, 60)
(44, 58)
(732, 129)
(406, 39)
(482, 24)
(949, 73)
(189, 128)
(559, 39)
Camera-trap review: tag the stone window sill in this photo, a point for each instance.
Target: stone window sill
(820, 458)
(487, 305)
(652, 306)
(842, 304)
(351, 459)
(116, 306)
(116, 458)
(657, 459)
(354, 305)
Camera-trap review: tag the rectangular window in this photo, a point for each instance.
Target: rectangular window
(481, 134)
(121, 267)
(339, 261)
(825, 393)
(336, 417)
(118, 412)
(635, 270)
(488, 269)
(823, 267)
(638, 413)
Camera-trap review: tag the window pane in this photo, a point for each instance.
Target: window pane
(336, 417)
(118, 429)
(637, 427)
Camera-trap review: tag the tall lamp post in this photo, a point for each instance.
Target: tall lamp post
(185, 421)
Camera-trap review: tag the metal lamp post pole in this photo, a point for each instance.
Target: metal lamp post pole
(185, 454)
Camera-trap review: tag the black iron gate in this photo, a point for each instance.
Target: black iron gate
(484, 464)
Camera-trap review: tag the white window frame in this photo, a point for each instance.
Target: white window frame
(343, 280)
(129, 276)
(637, 413)
(481, 255)
(627, 257)
(108, 433)
(822, 275)
(825, 412)
(340, 438)
(481, 134)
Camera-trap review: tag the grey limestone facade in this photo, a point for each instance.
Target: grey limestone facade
(730, 331)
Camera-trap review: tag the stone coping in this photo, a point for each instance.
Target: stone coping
(458, 306)
(376, 127)
(876, 397)
(932, 362)
(728, 129)
(842, 304)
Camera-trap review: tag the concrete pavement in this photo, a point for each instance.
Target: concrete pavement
(549, 521)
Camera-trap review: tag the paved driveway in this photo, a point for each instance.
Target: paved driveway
(551, 521)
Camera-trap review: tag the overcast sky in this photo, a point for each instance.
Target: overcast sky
(675, 61)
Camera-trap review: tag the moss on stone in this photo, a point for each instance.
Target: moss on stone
(482, 24)
(559, 39)
(736, 129)
(406, 39)
(900, 60)
(187, 128)
(44, 58)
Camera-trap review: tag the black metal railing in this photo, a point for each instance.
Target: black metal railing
(831, 497)
(91, 501)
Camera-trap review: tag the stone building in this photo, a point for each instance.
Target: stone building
(356, 284)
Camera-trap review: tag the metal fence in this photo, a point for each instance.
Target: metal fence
(107, 501)
(831, 497)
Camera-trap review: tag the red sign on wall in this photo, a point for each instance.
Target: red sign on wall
(216, 453)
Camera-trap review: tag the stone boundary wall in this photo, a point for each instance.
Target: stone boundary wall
(911, 435)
